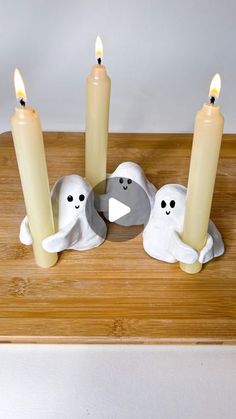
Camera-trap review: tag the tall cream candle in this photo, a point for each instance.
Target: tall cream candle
(207, 137)
(29, 148)
(97, 117)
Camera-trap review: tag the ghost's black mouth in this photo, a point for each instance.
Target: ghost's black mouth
(167, 212)
(125, 187)
(77, 206)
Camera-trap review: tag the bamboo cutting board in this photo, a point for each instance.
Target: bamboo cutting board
(117, 293)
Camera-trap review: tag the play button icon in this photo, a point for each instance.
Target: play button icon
(116, 209)
(125, 206)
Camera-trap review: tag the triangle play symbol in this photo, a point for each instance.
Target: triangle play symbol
(116, 209)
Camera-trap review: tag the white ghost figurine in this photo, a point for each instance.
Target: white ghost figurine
(161, 237)
(133, 171)
(129, 185)
(74, 214)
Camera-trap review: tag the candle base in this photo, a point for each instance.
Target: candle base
(44, 259)
(191, 269)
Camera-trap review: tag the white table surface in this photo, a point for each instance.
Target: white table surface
(117, 382)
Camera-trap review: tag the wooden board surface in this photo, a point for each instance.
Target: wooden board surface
(117, 293)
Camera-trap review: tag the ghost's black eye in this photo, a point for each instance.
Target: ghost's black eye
(163, 204)
(81, 197)
(129, 181)
(121, 180)
(172, 204)
(70, 198)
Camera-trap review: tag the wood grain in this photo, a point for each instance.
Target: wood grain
(117, 293)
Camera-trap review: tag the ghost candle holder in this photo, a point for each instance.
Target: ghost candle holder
(162, 235)
(79, 226)
(74, 215)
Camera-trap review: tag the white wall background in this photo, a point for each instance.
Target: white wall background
(117, 382)
(160, 54)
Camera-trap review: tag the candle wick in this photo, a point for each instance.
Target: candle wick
(22, 102)
(212, 100)
(99, 61)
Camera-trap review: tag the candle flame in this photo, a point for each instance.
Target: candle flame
(19, 86)
(215, 86)
(98, 47)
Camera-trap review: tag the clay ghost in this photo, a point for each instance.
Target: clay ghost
(133, 171)
(73, 213)
(129, 185)
(161, 237)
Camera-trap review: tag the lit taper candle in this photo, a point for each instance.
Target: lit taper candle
(29, 148)
(97, 119)
(207, 137)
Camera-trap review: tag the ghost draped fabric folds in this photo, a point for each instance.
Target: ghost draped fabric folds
(78, 225)
(162, 235)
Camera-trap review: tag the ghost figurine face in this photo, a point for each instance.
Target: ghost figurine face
(125, 183)
(128, 185)
(127, 175)
(69, 196)
(169, 205)
(122, 186)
